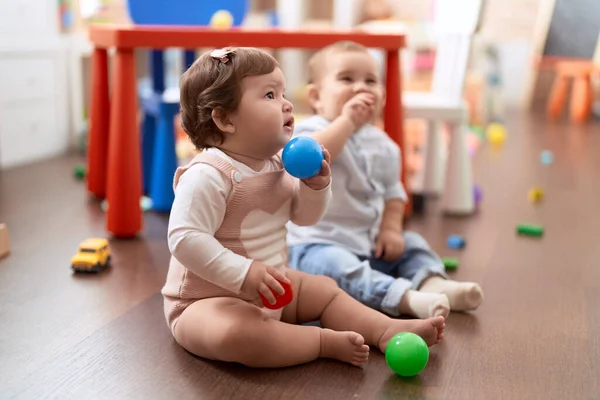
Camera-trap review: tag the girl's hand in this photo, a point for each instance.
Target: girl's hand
(322, 179)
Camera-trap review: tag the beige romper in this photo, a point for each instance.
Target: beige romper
(258, 208)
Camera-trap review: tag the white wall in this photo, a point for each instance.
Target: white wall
(33, 88)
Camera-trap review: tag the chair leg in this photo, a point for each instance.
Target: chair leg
(99, 125)
(434, 160)
(458, 194)
(164, 159)
(558, 97)
(124, 179)
(581, 99)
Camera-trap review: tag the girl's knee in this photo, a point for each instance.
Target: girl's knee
(327, 284)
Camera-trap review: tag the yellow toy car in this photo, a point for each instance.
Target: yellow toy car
(93, 255)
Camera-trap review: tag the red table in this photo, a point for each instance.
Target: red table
(114, 164)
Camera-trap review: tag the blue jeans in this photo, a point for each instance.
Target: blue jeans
(377, 283)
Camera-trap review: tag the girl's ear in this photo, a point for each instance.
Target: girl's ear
(312, 95)
(222, 120)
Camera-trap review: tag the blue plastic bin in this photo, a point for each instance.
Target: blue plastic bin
(184, 12)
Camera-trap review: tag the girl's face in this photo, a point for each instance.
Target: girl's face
(263, 122)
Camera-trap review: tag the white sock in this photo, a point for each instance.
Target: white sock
(463, 296)
(424, 305)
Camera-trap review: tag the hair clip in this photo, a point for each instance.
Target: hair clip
(222, 55)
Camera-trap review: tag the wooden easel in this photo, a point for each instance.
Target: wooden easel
(4, 241)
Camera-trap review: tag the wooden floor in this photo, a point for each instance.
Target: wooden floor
(537, 335)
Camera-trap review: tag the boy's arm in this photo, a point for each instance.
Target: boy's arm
(395, 196)
(197, 213)
(393, 216)
(335, 135)
(356, 112)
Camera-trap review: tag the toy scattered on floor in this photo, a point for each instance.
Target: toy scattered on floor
(456, 242)
(479, 131)
(280, 300)
(477, 195)
(546, 157)
(222, 19)
(93, 255)
(79, 171)
(407, 354)
(145, 204)
(302, 157)
(450, 262)
(496, 133)
(4, 241)
(530, 230)
(535, 195)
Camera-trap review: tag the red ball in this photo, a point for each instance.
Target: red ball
(280, 300)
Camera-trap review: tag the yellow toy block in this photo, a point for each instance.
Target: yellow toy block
(496, 134)
(535, 195)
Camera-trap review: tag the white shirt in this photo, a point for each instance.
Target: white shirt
(365, 174)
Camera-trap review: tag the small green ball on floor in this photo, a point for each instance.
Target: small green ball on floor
(407, 354)
(79, 172)
(450, 262)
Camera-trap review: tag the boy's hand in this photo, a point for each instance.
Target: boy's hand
(259, 279)
(320, 181)
(390, 244)
(359, 109)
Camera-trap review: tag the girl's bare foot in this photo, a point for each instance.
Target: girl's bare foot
(430, 329)
(349, 347)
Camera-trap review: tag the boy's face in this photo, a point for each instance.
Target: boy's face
(343, 75)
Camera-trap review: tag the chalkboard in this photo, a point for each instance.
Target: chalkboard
(574, 29)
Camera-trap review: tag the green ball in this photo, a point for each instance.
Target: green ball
(79, 172)
(407, 354)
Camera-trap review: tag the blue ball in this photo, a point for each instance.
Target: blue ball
(546, 157)
(302, 157)
(456, 242)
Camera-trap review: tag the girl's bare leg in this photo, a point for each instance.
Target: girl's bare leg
(319, 298)
(229, 329)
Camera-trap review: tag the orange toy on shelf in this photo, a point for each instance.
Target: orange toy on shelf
(114, 165)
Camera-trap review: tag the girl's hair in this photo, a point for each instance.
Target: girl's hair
(213, 82)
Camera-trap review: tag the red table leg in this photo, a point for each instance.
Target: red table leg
(393, 114)
(99, 117)
(124, 185)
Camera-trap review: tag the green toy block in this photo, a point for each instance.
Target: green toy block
(450, 262)
(530, 230)
(79, 172)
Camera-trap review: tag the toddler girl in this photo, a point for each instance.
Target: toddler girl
(227, 230)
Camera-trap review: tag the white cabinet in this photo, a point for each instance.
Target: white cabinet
(24, 78)
(33, 84)
(27, 17)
